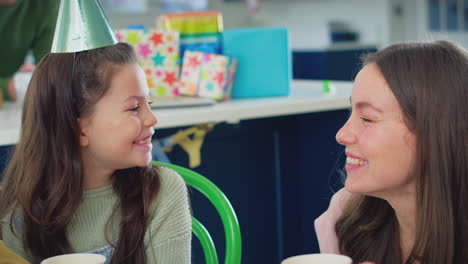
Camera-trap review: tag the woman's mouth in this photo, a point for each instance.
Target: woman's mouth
(354, 161)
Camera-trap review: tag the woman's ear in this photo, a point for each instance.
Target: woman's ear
(83, 127)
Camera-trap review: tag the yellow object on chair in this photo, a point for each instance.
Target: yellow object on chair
(9, 257)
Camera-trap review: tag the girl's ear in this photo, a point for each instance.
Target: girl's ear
(83, 127)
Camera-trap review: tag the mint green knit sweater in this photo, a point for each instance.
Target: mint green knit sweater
(168, 238)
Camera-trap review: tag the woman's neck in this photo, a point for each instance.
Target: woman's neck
(404, 205)
(407, 236)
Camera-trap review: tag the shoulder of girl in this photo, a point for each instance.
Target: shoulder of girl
(17, 220)
(173, 188)
(170, 177)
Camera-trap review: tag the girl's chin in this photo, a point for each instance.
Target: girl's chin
(144, 163)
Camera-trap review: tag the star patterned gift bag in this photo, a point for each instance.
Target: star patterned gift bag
(157, 52)
(207, 75)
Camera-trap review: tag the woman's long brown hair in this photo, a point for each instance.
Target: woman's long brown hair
(430, 83)
(44, 179)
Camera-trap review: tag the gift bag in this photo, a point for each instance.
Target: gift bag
(157, 52)
(264, 57)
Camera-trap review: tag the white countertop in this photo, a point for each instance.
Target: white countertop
(305, 97)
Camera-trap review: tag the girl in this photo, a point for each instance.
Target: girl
(406, 144)
(80, 179)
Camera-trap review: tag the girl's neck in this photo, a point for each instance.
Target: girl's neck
(95, 176)
(96, 180)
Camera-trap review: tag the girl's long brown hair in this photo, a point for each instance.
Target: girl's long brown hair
(430, 83)
(44, 179)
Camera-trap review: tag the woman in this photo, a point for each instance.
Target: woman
(406, 144)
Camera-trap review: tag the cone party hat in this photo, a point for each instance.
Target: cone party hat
(81, 25)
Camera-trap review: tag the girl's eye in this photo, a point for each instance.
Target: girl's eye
(134, 108)
(367, 120)
(150, 103)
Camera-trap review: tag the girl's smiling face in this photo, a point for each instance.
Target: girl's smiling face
(380, 149)
(118, 132)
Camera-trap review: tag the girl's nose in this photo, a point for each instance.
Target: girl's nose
(151, 119)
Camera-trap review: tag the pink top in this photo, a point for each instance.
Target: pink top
(325, 224)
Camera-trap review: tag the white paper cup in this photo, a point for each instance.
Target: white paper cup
(318, 259)
(79, 258)
(21, 82)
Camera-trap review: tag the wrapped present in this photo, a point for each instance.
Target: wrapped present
(231, 74)
(207, 75)
(190, 73)
(199, 31)
(157, 52)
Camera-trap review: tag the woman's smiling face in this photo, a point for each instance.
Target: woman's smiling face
(380, 149)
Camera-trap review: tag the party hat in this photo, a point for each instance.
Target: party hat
(81, 25)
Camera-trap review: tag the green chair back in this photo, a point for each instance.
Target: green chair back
(225, 210)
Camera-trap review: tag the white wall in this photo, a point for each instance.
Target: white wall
(376, 21)
(404, 24)
(307, 20)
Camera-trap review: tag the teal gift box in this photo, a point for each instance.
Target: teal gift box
(264, 61)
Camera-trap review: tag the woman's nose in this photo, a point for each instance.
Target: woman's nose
(345, 135)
